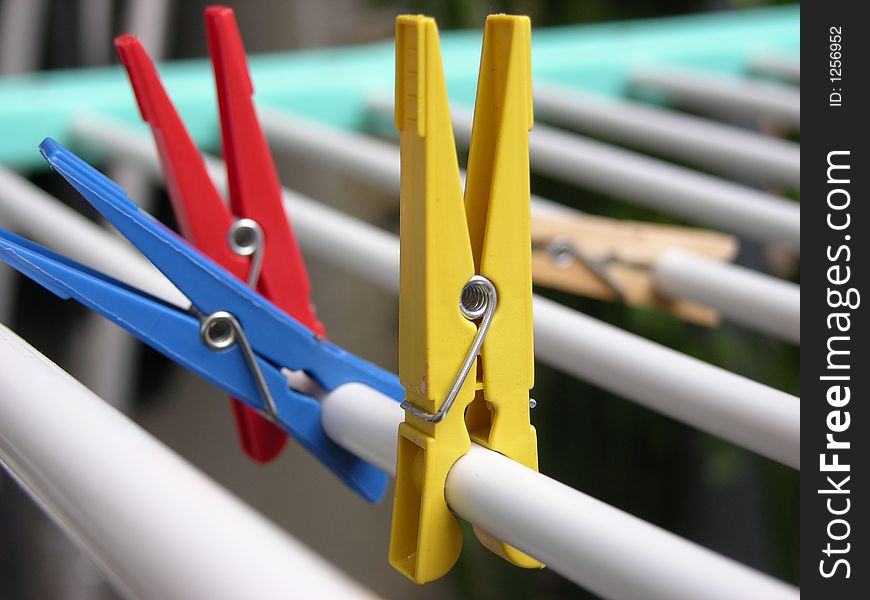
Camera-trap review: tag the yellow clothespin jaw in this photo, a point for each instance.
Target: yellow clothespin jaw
(611, 259)
(465, 285)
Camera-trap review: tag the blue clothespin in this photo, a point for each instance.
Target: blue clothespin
(231, 335)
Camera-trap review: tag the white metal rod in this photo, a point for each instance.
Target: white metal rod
(193, 539)
(651, 182)
(555, 538)
(29, 210)
(377, 162)
(370, 159)
(106, 362)
(158, 527)
(595, 545)
(744, 296)
(364, 157)
(731, 150)
(714, 400)
(707, 92)
(735, 408)
(785, 66)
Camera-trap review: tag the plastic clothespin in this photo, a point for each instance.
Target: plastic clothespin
(466, 285)
(230, 335)
(611, 259)
(252, 239)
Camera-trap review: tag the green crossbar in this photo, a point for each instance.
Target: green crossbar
(333, 85)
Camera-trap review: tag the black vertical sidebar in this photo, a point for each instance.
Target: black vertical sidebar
(835, 442)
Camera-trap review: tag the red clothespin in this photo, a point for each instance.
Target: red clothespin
(252, 238)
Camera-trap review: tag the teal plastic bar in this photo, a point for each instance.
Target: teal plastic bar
(333, 85)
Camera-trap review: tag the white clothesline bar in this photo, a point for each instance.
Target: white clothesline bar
(158, 528)
(636, 178)
(745, 412)
(194, 539)
(597, 546)
(557, 542)
(750, 584)
(108, 373)
(377, 162)
(785, 66)
(764, 303)
(31, 212)
(365, 157)
(728, 149)
(714, 93)
(735, 408)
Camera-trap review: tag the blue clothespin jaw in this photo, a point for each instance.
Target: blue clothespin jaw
(276, 339)
(272, 333)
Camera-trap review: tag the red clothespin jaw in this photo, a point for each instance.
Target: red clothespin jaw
(202, 215)
(255, 192)
(199, 209)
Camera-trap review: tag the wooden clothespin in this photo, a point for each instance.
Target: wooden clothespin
(611, 259)
(465, 309)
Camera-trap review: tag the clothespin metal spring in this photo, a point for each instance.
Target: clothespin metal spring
(562, 252)
(250, 237)
(461, 246)
(245, 238)
(478, 300)
(219, 331)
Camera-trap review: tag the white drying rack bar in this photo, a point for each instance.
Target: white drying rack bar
(157, 527)
(715, 93)
(34, 213)
(563, 527)
(764, 303)
(745, 412)
(646, 181)
(591, 543)
(95, 472)
(377, 162)
(726, 148)
(786, 66)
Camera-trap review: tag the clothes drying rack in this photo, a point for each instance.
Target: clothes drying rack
(626, 82)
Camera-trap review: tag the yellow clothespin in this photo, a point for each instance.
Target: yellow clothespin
(611, 259)
(466, 285)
